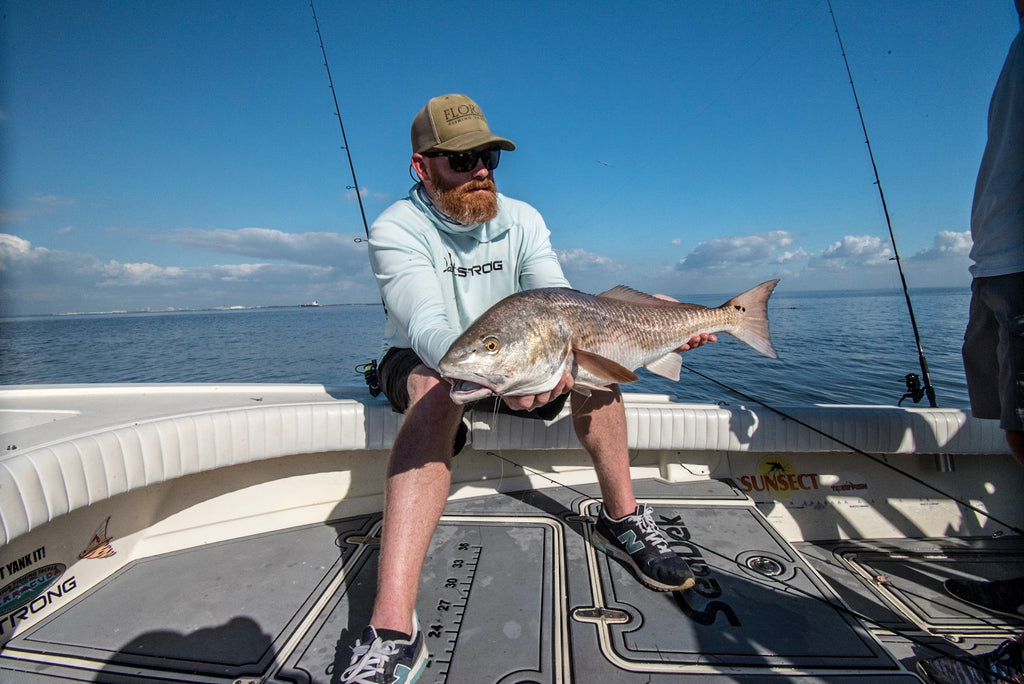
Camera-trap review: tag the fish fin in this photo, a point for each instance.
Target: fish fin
(623, 293)
(603, 367)
(586, 388)
(667, 366)
(753, 328)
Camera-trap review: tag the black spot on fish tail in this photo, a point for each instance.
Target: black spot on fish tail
(753, 326)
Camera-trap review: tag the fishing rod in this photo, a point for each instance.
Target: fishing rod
(914, 388)
(367, 370)
(337, 112)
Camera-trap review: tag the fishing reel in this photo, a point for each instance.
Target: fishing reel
(914, 389)
(369, 372)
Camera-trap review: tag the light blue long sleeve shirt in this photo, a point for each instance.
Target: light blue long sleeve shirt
(997, 215)
(436, 281)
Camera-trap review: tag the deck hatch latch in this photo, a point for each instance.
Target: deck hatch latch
(763, 565)
(601, 615)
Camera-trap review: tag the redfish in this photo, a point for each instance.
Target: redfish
(523, 344)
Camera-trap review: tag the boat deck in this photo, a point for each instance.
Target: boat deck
(229, 534)
(513, 589)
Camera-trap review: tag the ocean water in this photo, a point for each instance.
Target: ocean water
(834, 347)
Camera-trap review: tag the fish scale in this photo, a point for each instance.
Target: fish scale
(635, 331)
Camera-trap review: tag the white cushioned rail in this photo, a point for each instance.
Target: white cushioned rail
(665, 425)
(71, 462)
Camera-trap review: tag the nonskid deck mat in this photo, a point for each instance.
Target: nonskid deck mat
(221, 610)
(898, 583)
(512, 592)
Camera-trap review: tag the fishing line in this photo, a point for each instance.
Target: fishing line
(818, 431)
(532, 471)
(858, 450)
(341, 124)
(912, 391)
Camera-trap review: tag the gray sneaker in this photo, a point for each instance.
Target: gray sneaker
(638, 542)
(377, 661)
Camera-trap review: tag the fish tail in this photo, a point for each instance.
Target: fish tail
(753, 325)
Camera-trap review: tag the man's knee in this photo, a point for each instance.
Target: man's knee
(424, 383)
(1015, 439)
(597, 399)
(429, 395)
(432, 413)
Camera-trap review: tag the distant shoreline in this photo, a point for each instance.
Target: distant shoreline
(150, 312)
(779, 294)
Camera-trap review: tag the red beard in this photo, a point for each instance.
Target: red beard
(463, 204)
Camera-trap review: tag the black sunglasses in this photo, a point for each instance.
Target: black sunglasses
(461, 162)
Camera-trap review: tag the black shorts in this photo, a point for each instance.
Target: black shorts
(993, 350)
(398, 363)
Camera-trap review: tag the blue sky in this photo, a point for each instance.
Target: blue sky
(185, 154)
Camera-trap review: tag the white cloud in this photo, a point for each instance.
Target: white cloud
(850, 252)
(734, 262)
(795, 256)
(38, 205)
(12, 247)
(588, 271)
(739, 252)
(945, 263)
(578, 260)
(286, 268)
(325, 249)
(239, 272)
(41, 280)
(129, 275)
(947, 244)
(857, 260)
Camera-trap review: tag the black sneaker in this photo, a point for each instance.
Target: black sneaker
(638, 542)
(1005, 664)
(377, 661)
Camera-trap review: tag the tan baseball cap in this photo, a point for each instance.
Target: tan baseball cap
(453, 123)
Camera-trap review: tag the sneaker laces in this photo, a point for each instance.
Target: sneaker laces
(373, 657)
(651, 532)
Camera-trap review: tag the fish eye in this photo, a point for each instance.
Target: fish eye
(491, 344)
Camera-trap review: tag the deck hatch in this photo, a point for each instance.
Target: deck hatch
(220, 609)
(903, 580)
(737, 616)
(490, 593)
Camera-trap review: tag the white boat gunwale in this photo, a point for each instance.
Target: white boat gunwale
(70, 446)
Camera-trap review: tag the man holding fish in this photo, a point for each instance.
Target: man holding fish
(442, 257)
